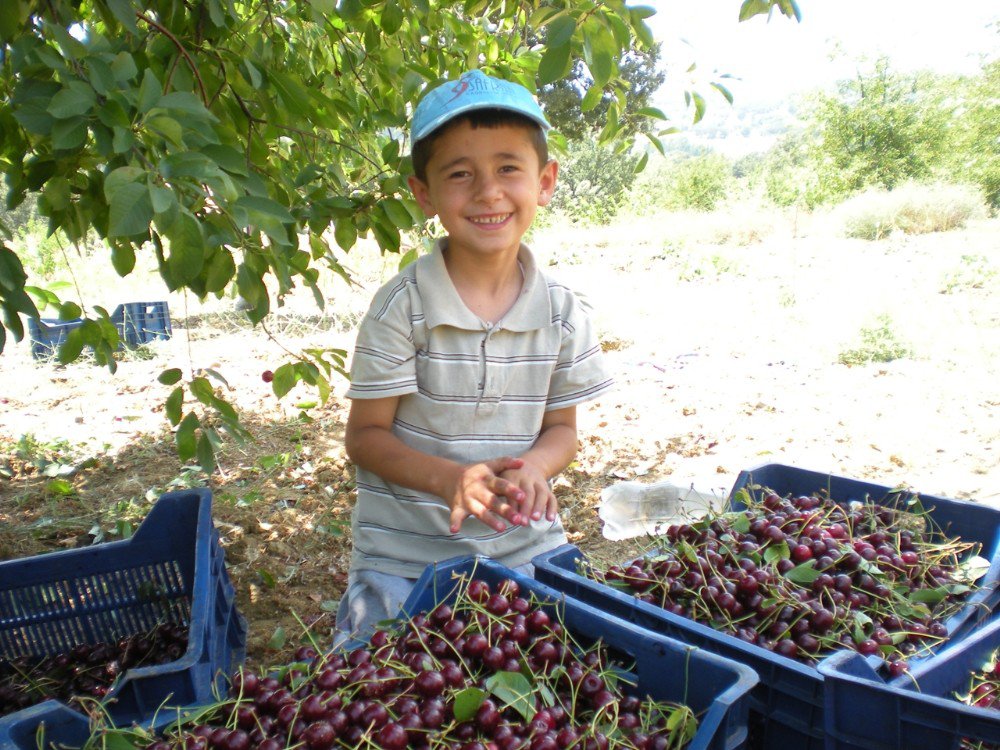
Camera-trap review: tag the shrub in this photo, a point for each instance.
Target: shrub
(878, 344)
(912, 208)
(593, 182)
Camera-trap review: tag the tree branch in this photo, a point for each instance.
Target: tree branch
(180, 48)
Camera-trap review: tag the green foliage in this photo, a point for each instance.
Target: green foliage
(593, 182)
(878, 344)
(911, 209)
(575, 113)
(879, 130)
(699, 183)
(975, 154)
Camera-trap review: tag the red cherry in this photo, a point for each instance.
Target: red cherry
(267, 376)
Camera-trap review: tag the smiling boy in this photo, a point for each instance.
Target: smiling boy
(469, 364)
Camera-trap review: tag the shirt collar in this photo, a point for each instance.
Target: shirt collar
(443, 305)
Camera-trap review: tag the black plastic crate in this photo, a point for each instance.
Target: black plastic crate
(172, 569)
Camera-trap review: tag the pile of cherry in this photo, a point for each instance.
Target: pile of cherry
(493, 670)
(87, 671)
(804, 576)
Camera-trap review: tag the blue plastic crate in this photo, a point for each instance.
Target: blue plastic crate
(864, 712)
(715, 688)
(142, 322)
(786, 708)
(48, 334)
(171, 569)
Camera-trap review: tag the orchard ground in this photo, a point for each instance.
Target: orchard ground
(725, 331)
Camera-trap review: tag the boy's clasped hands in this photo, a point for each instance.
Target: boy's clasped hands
(501, 489)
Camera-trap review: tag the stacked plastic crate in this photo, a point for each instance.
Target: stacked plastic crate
(171, 570)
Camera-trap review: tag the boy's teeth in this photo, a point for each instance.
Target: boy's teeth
(489, 219)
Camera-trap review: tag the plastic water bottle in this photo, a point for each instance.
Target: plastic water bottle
(631, 509)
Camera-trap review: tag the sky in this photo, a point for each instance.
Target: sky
(778, 57)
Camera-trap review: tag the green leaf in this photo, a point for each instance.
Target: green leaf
(123, 258)
(722, 90)
(560, 31)
(185, 440)
(150, 91)
(929, 596)
(124, 12)
(123, 66)
(174, 403)
(59, 487)
(187, 247)
(68, 135)
(775, 552)
(805, 573)
(278, 639)
(513, 690)
(206, 453)
(130, 210)
(467, 702)
(187, 103)
(699, 106)
(69, 311)
(396, 212)
(168, 127)
(285, 378)
(392, 18)
(555, 64)
(170, 376)
(345, 233)
(258, 207)
(74, 100)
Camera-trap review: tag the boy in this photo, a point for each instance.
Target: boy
(469, 363)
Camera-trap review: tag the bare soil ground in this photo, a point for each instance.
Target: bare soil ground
(726, 357)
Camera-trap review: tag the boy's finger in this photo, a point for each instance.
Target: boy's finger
(508, 511)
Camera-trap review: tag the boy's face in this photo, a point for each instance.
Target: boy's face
(485, 185)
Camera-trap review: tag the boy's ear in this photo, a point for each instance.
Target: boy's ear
(422, 195)
(547, 182)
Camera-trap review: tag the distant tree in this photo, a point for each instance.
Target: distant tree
(976, 154)
(880, 129)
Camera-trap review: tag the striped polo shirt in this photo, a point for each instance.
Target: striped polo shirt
(468, 391)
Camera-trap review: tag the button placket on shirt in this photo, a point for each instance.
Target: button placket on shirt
(489, 400)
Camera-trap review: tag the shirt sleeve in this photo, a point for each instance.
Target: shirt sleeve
(581, 373)
(384, 360)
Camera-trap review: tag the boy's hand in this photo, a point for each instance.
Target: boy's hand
(481, 492)
(539, 499)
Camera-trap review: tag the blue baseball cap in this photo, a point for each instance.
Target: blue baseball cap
(474, 90)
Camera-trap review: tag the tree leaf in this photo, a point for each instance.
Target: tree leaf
(285, 378)
(173, 405)
(559, 32)
(803, 573)
(130, 210)
(76, 99)
(513, 690)
(170, 376)
(467, 702)
(185, 440)
(555, 64)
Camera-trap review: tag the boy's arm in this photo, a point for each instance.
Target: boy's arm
(552, 452)
(469, 490)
